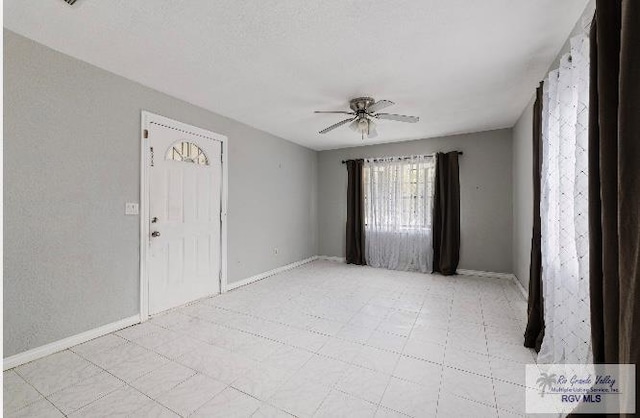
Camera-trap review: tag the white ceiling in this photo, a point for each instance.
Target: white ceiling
(460, 65)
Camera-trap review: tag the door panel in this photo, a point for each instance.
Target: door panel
(185, 193)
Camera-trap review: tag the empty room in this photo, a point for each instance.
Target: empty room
(344, 208)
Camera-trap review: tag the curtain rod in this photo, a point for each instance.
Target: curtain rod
(399, 158)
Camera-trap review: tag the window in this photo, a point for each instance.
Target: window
(187, 152)
(399, 194)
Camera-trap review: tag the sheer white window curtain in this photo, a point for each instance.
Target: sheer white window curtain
(398, 212)
(563, 209)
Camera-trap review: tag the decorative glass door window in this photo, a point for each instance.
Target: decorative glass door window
(187, 152)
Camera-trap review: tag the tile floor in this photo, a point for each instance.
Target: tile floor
(323, 340)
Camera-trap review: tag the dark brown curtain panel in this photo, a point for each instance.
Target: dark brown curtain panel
(534, 332)
(614, 182)
(446, 214)
(355, 213)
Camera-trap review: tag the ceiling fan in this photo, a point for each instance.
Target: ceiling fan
(363, 112)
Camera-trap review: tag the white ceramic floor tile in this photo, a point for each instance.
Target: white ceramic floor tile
(510, 414)
(340, 349)
(191, 394)
(418, 371)
(307, 340)
(424, 350)
(159, 337)
(116, 355)
(467, 385)
(133, 368)
(16, 392)
(135, 332)
(289, 358)
(300, 397)
(262, 381)
(355, 333)
(509, 371)
(83, 393)
(172, 320)
(451, 406)
(259, 348)
(270, 411)
(40, 409)
(218, 364)
(230, 403)
(324, 370)
(57, 371)
(322, 339)
(98, 345)
(384, 412)
(510, 397)
(376, 359)
(342, 405)
(411, 398)
(162, 379)
(325, 326)
(122, 402)
(511, 352)
(365, 320)
(459, 341)
(178, 347)
(386, 341)
(468, 361)
(376, 310)
(154, 410)
(429, 333)
(363, 383)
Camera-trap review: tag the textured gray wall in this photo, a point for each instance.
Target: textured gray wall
(523, 194)
(485, 194)
(72, 160)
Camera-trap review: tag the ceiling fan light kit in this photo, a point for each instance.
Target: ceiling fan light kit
(363, 112)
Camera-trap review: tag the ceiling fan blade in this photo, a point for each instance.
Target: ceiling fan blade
(379, 105)
(398, 118)
(334, 111)
(336, 125)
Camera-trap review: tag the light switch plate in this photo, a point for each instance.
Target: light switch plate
(131, 208)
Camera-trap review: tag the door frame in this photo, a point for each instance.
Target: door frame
(146, 118)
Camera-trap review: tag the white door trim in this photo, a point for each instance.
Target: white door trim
(145, 120)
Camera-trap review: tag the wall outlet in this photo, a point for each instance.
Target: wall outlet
(131, 208)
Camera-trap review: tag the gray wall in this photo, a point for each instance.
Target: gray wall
(485, 195)
(72, 160)
(523, 194)
(523, 168)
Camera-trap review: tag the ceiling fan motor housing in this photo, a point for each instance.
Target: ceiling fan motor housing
(360, 104)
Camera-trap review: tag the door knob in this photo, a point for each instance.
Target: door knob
(155, 234)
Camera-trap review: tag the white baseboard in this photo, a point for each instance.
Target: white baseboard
(478, 273)
(507, 276)
(332, 258)
(249, 280)
(54, 347)
(522, 289)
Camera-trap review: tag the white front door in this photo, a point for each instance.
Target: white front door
(185, 179)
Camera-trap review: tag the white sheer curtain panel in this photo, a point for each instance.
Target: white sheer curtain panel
(398, 213)
(563, 209)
